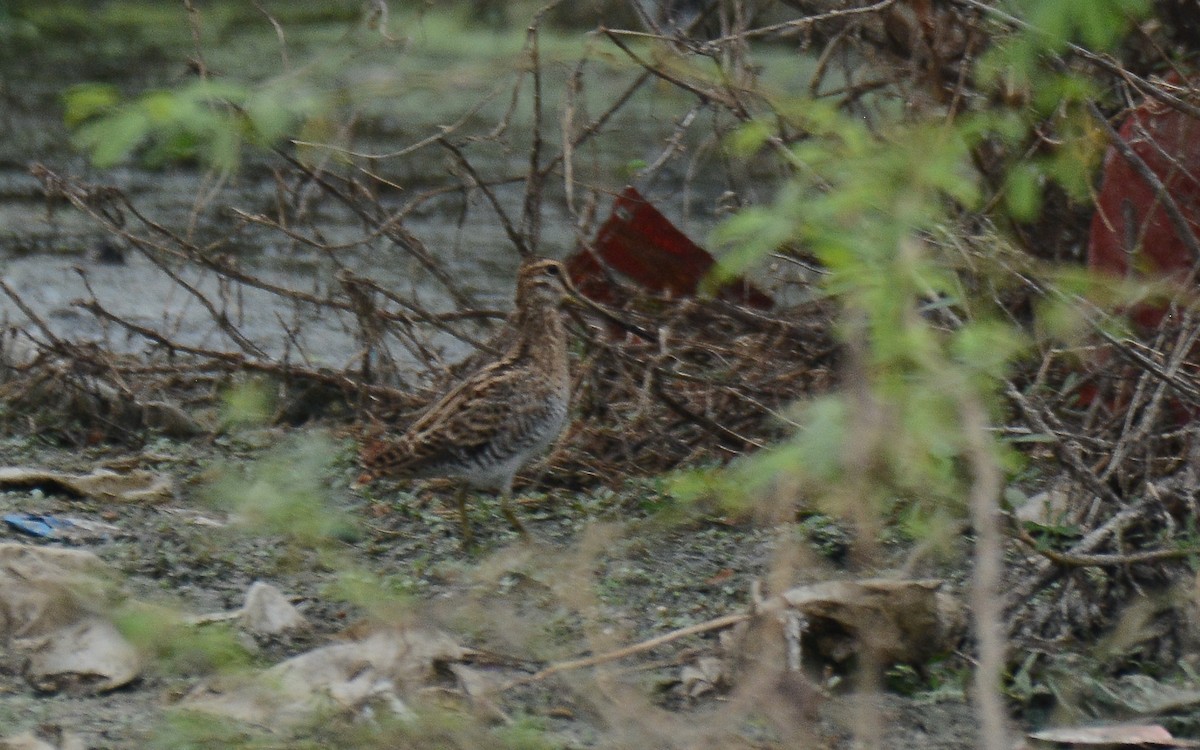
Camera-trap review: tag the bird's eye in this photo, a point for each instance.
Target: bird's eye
(552, 270)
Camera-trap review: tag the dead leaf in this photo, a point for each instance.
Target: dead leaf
(90, 656)
(701, 677)
(52, 605)
(30, 741)
(267, 611)
(43, 589)
(381, 667)
(478, 687)
(195, 517)
(25, 741)
(1129, 735)
(901, 621)
(101, 484)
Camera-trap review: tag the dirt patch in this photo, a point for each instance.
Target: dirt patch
(604, 570)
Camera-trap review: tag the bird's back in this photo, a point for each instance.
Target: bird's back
(499, 415)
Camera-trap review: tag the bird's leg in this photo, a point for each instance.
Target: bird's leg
(507, 510)
(460, 499)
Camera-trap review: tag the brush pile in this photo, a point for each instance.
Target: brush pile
(1109, 425)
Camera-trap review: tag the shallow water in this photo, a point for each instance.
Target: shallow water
(47, 251)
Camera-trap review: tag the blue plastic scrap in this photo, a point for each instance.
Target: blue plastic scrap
(37, 525)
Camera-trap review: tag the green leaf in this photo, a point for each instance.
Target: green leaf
(749, 138)
(112, 139)
(88, 100)
(1023, 192)
(249, 403)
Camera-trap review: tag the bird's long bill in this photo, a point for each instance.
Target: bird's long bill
(578, 298)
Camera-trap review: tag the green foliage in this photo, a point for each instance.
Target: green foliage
(524, 733)
(383, 598)
(184, 730)
(860, 203)
(632, 167)
(942, 679)
(1022, 64)
(432, 727)
(247, 404)
(1052, 26)
(205, 121)
(177, 647)
(284, 494)
(1023, 192)
(925, 353)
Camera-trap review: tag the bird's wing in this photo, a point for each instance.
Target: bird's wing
(483, 408)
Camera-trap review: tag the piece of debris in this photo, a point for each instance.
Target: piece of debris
(195, 517)
(59, 527)
(30, 741)
(89, 656)
(703, 676)
(1048, 507)
(39, 526)
(268, 612)
(898, 621)
(102, 484)
(381, 668)
(52, 605)
(1133, 231)
(1115, 735)
(642, 245)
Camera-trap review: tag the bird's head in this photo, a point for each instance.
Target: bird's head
(546, 282)
(543, 281)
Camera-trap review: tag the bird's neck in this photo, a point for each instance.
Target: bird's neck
(541, 336)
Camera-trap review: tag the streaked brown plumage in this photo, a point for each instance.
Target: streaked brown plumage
(501, 416)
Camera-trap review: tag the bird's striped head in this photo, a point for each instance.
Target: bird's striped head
(544, 281)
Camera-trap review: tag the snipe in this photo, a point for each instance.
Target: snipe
(501, 416)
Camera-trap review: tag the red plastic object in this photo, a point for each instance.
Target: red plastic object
(1131, 232)
(640, 243)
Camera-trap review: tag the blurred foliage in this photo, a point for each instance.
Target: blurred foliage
(1053, 26)
(865, 200)
(248, 404)
(203, 121)
(137, 21)
(176, 647)
(183, 730)
(283, 494)
(382, 599)
(337, 63)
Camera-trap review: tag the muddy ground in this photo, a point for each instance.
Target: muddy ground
(651, 565)
(650, 577)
